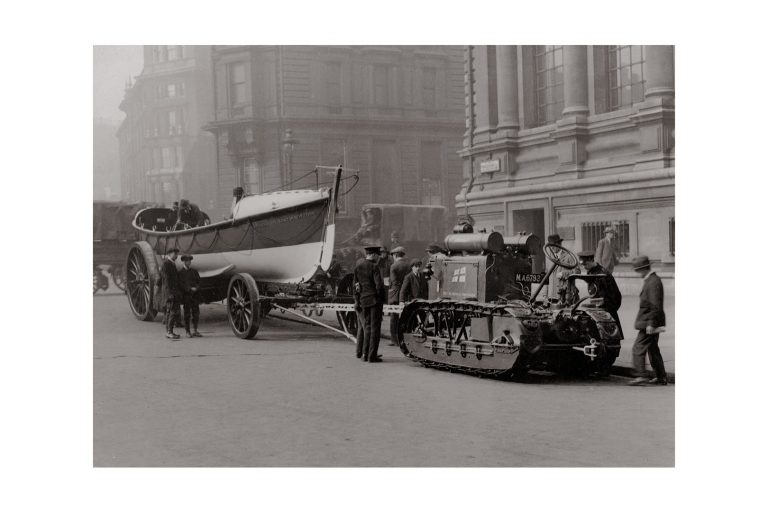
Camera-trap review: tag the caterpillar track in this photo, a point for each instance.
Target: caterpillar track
(506, 340)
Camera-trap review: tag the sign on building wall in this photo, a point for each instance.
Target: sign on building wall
(490, 165)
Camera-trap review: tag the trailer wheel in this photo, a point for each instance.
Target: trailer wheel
(243, 307)
(141, 276)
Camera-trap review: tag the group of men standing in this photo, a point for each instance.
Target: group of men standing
(650, 319)
(179, 288)
(370, 295)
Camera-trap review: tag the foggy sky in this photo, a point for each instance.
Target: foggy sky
(111, 67)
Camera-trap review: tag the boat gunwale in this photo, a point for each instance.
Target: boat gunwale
(225, 223)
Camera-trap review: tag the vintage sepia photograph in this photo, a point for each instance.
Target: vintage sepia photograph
(389, 256)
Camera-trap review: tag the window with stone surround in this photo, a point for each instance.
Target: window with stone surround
(548, 65)
(592, 232)
(381, 87)
(251, 176)
(237, 84)
(429, 90)
(333, 87)
(626, 76)
(430, 186)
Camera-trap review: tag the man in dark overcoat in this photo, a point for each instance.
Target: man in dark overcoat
(649, 323)
(397, 273)
(189, 279)
(606, 252)
(606, 286)
(170, 292)
(369, 284)
(411, 288)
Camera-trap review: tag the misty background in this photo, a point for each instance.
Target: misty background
(113, 67)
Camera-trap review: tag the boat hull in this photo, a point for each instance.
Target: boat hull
(284, 246)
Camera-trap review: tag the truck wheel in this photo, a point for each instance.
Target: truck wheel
(141, 276)
(243, 307)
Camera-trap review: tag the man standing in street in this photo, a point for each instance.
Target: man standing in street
(606, 286)
(189, 279)
(170, 292)
(372, 295)
(605, 254)
(649, 323)
(435, 257)
(397, 273)
(411, 288)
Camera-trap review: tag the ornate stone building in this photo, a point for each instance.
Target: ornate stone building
(393, 112)
(164, 153)
(570, 140)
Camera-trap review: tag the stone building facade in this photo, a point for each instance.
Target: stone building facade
(395, 113)
(164, 153)
(571, 140)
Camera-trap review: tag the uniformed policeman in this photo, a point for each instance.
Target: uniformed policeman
(369, 286)
(170, 292)
(189, 279)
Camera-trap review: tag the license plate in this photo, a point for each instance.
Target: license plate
(529, 278)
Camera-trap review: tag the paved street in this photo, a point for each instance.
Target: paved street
(297, 396)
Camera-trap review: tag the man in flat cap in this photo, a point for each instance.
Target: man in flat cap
(189, 279)
(170, 292)
(605, 286)
(369, 282)
(606, 253)
(397, 273)
(649, 323)
(561, 288)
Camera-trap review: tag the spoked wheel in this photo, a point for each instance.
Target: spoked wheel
(346, 319)
(141, 276)
(117, 276)
(561, 256)
(243, 307)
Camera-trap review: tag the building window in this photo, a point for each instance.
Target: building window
(333, 87)
(169, 158)
(592, 232)
(380, 86)
(626, 76)
(548, 62)
(174, 52)
(672, 236)
(430, 186)
(237, 83)
(159, 53)
(251, 176)
(429, 89)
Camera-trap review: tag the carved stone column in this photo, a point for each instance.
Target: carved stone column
(655, 119)
(660, 71)
(482, 126)
(575, 83)
(506, 73)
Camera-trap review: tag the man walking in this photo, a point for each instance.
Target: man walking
(368, 280)
(605, 254)
(189, 279)
(397, 273)
(170, 292)
(649, 323)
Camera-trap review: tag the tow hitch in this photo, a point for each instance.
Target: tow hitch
(593, 350)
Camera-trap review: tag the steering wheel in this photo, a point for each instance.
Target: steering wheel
(561, 256)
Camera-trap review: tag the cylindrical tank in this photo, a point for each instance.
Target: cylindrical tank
(475, 242)
(529, 243)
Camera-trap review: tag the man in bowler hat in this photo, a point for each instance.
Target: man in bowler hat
(170, 292)
(369, 282)
(649, 323)
(189, 279)
(397, 273)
